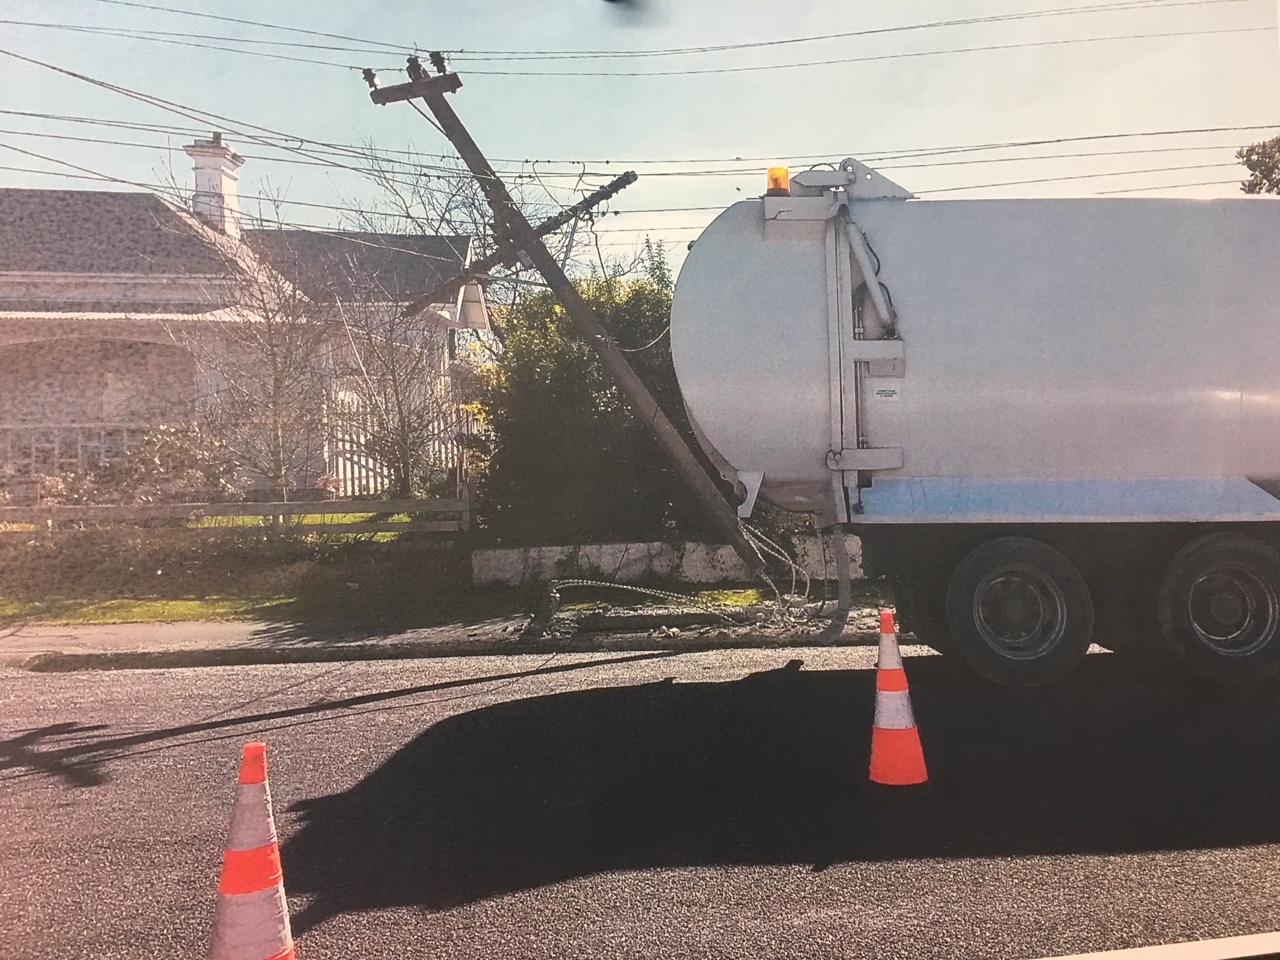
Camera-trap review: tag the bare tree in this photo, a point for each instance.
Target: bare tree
(265, 362)
(394, 403)
(438, 196)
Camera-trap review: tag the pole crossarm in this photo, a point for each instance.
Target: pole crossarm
(525, 238)
(445, 83)
(504, 256)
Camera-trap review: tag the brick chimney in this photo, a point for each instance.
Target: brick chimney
(215, 200)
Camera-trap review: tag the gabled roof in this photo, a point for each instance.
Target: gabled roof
(338, 264)
(139, 235)
(96, 231)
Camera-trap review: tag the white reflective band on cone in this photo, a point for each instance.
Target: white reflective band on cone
(252, 825)
(893, 710)
(890, 656)
(250, 925)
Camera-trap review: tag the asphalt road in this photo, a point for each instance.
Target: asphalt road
(640, 805)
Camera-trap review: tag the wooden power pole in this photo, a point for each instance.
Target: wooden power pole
(512, 227)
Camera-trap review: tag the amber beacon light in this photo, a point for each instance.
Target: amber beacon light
(778, 182)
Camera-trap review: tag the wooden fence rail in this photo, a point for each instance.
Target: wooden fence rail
(321, 516)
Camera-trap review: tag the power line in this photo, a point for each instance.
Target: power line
(251, 23)
(867, 59)
(613, 213)
(204, 116)
(365, 152)
(1124, 6)
(97, 175)
(1012, 144)
(427, 117)
(151, 146)
(172, 190)
(190, 131)
(320, 147)
(882, 156)
(194, 113)
(138, 32)
(365, 44)
(674, 228)
(1057, 156)
(1037, 158)
(167, 38)
(121, 124)
(1170, 186)
(87, 173)
(90, 174)
(138, 35)
(1080, 176)
(339, 208)
(345, 150)
(1010, 183)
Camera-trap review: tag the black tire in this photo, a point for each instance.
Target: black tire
(1219, 608)
(1019, 612)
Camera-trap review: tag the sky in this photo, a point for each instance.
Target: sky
(907, 92)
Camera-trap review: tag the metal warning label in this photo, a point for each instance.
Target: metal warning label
(888, 392)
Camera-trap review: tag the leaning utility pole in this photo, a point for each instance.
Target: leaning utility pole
(512, 228)
(506, 255)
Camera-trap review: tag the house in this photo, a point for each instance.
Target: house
(103, 294)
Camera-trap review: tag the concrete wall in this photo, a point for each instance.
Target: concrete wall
(632, 562)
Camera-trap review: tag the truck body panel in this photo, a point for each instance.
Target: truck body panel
(1074, 360)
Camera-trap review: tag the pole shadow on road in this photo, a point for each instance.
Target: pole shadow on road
(766, 771)
(78, 753)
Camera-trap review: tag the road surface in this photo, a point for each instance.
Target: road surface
(639, 805)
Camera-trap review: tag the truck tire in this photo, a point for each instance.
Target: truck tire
(1019, 612)
(1219, 607)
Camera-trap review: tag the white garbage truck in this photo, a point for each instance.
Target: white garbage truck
(1050, 422)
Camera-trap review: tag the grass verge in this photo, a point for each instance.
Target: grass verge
(150, 610)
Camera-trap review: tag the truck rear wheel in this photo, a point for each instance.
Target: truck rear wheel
(1019, 612)
(1219, 606)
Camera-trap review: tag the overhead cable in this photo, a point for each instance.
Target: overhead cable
(157, 8)
(155, 36)
(1123, 6)
(389, 154)
(773, 67)
(1117, 7)
(1080, 176)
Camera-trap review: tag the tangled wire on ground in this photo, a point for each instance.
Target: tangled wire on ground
(789, 607)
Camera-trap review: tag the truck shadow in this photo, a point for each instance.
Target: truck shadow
(766, 771)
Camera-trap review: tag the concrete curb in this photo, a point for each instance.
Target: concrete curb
(61, 662)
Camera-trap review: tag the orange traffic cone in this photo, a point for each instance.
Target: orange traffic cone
(252, 919)
(897, 762)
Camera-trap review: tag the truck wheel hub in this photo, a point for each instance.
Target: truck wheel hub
(1018, 613)
(1232, 610)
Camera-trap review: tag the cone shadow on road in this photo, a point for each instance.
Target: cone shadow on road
(765, 771)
